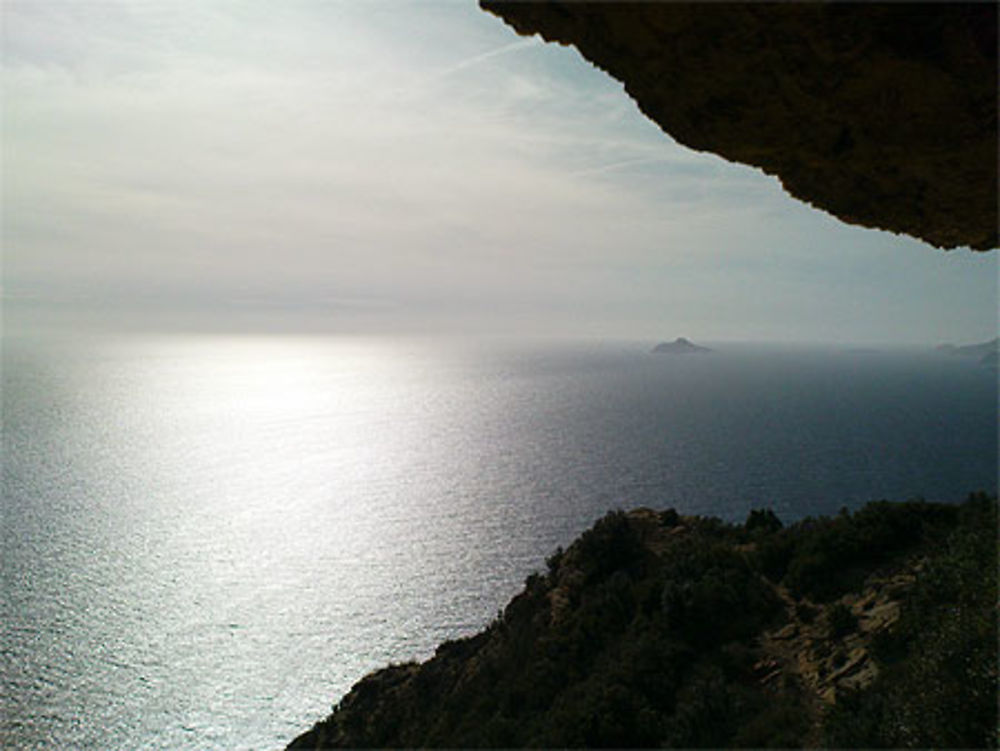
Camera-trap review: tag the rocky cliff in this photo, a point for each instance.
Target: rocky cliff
(882, 114)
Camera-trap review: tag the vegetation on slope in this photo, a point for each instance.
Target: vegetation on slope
(654, 629)
(938, 683)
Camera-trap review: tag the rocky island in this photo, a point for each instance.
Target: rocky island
(679, 346)
(871, 629)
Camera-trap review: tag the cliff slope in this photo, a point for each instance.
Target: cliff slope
(871, 629)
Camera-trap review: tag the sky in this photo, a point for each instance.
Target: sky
(376, 166)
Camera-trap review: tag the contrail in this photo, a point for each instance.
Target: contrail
(619, 165)
(476, 59)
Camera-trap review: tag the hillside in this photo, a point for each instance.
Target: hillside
(876, 628)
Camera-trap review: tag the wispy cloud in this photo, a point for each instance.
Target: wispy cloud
(403, 161)
(475, 60)
(615, 166)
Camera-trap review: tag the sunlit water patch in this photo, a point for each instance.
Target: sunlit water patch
(207, 540)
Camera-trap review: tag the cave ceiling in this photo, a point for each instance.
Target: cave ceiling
(883, 115)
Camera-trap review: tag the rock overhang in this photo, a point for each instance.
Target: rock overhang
(883, 115)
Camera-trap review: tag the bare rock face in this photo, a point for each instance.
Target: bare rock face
(884, 115)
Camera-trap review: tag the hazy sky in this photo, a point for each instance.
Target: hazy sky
(406, 166)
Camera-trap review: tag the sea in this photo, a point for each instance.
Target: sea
(207, 539)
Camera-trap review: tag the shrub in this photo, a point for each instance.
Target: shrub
(764, 520)
(805, 612)
(669, 518)
(841, 621)
(611, 544)
(553, 561)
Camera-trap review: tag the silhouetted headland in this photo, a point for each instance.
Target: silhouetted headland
(871, 629)
(987, 353)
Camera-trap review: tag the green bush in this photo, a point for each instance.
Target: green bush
(829, 557)
(763, 520)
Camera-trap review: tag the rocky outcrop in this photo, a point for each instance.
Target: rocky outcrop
(824, 661)
(884, 115)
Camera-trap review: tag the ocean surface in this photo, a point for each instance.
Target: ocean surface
(208, 540)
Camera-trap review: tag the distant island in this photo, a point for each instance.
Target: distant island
(871, 629)
(679, 346)
(986, 352)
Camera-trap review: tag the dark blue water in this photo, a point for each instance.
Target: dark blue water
(207, 540)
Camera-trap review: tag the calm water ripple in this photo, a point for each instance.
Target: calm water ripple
(206, 541)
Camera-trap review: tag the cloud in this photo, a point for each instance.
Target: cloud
(474, 60)
(206, 158)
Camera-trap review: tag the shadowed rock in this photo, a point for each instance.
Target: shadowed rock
(884, 115)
